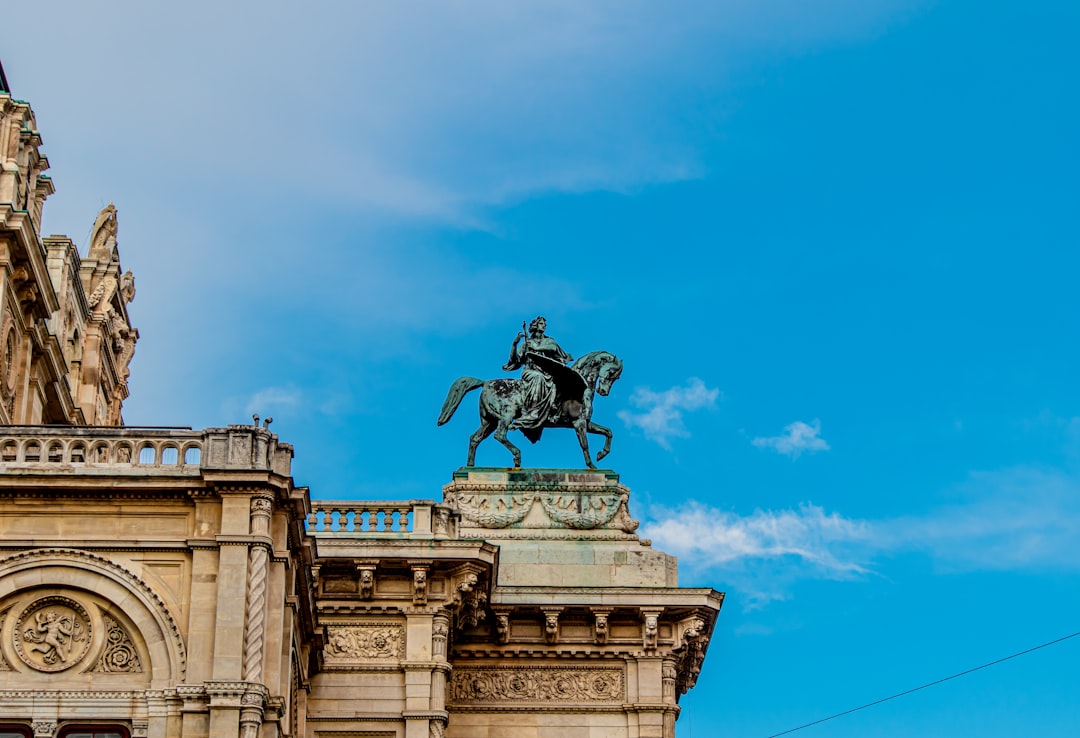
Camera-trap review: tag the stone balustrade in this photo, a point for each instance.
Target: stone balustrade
(381, 519)
(176, 451)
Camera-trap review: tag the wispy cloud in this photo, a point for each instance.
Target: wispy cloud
(799, 437)
(660, 414)
(273, 399)
(446, 124)
(807, 536)
(1021, 518)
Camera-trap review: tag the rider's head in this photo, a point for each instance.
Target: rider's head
(539, 324)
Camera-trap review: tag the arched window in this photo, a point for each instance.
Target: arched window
(147, 454)
(94, 731)
(15, 731)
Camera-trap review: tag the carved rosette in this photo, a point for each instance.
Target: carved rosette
(352, 643)
(481, 685)
(119, 654)
(52, 633)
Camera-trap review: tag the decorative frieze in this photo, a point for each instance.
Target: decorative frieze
(349, 643)
(494, 499)
(483, 685)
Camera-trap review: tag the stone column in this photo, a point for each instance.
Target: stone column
(668, 674)
(440, 633)
(255, 632)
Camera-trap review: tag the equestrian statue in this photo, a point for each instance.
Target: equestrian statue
(554, 392)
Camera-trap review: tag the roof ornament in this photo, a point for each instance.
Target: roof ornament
(103, 235)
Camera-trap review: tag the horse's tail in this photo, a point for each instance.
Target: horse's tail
(461, 387)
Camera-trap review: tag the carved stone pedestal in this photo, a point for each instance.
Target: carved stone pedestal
(557, 527)
(589, 633)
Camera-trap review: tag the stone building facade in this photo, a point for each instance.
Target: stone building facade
(168, 582)
(65, 336)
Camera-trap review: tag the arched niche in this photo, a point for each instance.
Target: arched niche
(107, 592)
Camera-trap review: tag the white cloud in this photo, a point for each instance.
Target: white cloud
(1021, 518)
(661, 413)
(799, 437)
(807, 537)
(273, 399)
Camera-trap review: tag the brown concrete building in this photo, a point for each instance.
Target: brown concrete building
(178, 583)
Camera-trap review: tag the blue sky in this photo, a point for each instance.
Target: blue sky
(834, 244)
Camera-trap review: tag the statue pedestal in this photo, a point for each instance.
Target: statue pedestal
(557, 527)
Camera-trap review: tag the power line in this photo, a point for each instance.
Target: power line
(929, 684)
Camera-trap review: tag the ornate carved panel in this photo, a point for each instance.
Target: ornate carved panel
(52, 633)
(352, 643)
(492, 686)
(119, 654)
(4, 665)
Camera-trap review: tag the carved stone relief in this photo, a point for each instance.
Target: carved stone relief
(565, 506)
(367, 581)
(52, 633)
(551, 625)
(471, 685)
(119, 654)
(4, 665)
(419, 585)
(364, 642)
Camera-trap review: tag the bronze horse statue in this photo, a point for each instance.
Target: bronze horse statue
(501, 403)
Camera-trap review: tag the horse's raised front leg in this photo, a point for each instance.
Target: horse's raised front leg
(500, 436)
(606, 433)
(485, 429)
(580, 426)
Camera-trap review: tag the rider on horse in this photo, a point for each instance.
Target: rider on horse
(545, 377)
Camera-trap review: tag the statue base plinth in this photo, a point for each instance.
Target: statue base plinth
(556, 527)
